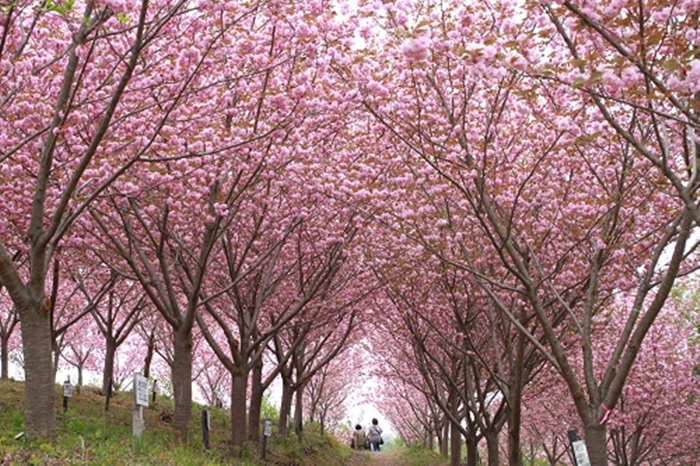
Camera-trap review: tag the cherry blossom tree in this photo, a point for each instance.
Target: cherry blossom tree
(327, 393)
(67, 83)
(212, 378)
(637, 63)
(552, 205)
(115, 315)
(661, 387)
(81, 350)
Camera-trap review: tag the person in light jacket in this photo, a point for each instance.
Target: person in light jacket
(374, 435)
(359, 438)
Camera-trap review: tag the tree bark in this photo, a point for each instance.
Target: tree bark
(455, 446)
(299, 410)
(443, 435)
(256, 398)
(285, 408)
(108, 369)
(182, 382)
(150, 350)
(492, 446)
(239, 389)
(472, 444)
(515, 457)
(5, 357)
(80, 367)
(596, 443)
(39, 416)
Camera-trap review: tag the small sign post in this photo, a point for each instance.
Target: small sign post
(140, 400)
(267, 431)
(206, 427)
(579, 449)
(67, 393)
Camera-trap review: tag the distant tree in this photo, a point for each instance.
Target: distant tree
(8, 322)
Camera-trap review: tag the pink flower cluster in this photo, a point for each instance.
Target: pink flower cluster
(416, 49)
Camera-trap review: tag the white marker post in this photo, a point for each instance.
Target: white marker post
(267, 431)
(140, 400)
(580, 453)
(67, 393)
(578, 448)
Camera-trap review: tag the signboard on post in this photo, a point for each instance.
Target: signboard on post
(141, 390)
(140, 400)
(580, 453)
(67, 393)
(267, 431)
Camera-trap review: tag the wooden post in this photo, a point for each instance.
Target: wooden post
(206, 427)
(140, 390)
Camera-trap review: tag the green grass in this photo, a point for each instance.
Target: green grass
(415, 456)
(87, 435)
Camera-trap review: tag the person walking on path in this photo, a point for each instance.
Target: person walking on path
(359, 438)
(374, 435)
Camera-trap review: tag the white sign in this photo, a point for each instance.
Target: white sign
(268, 428)
(581, 453)
(67, 389)
(141, 390)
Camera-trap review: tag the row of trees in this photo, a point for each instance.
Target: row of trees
(170, 195)
(505, 190)
(553, 146)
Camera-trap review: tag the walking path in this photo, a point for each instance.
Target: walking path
(383, 458)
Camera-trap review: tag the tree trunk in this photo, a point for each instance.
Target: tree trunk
(299, 411)
(515, 457)
(455, 446)
(453, 432)
(239, 389)
(596, 444)
(472, 444)
(256, 398)
(5, 357)
(492, 446)
(108, 369)
(443, 435)
(182, 382)
(80, 367)
(39, 416)
(150, 349)
(285, 408)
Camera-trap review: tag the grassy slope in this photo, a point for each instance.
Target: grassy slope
(87, 435)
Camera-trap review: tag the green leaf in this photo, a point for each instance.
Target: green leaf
(671, 64)
(596, 77)
(61, 8)
(691, 54)
(578, 83)
(578, 62)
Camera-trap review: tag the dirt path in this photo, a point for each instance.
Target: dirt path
(383, 458)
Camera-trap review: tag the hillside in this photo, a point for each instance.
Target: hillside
(89, 435)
